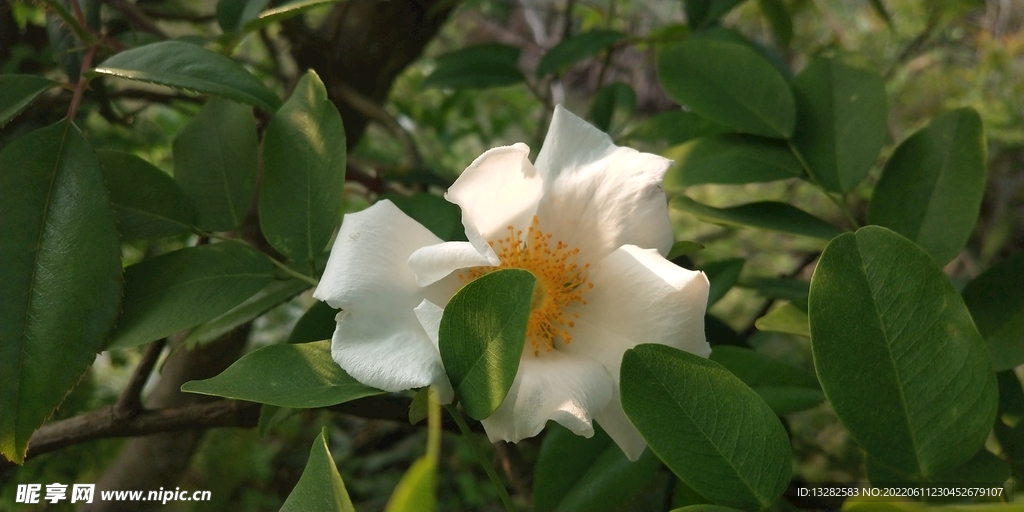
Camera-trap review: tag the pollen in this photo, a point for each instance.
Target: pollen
(561, 282)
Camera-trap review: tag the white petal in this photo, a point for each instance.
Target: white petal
(434, 262)
(368, 267)
(388, 350)
(597, 196)
(429, 316)
(553, 386)
(614, 421)
(640, 297)
(499, 189)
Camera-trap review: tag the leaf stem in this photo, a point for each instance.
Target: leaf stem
(284, 268)
(488, 467)
(814, 178)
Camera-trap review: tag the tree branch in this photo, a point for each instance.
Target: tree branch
(130, 402)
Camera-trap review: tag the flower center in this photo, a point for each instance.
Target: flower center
(560, 282)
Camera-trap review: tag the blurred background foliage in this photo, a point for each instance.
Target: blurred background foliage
(934, 55)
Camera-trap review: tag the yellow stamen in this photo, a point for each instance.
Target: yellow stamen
(560, 282)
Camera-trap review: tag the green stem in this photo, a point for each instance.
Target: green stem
(284, 268)
(488, 467)
(814, 178)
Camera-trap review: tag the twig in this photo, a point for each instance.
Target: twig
(82, 81)
(481, 458)
(130, 402)
(373, 111)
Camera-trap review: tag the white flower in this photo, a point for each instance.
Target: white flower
(588, 213)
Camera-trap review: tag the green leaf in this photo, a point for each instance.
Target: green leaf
(574, 473)
(576, 48)
(416, 492)
(996, 302)
(17, 93)
(320, 487)
(897, 354)
(674, 127)
(777, 288)
(983, 469)
(841, 121)
(318, 323)
(930, 190)
(184, 288)
(722, 275)
(300, 376)
(60, 276)
(706, 425)
(683, 248)
(281, 13)
(190, 67)
(271, 416)
(215, 163)
(779, 19)
(730, 159)
(1009, 425)
(786, 318)
(614, 101)
(147, 202)
(767, 215)
(784, 387)
(442, 218)
(729, 84)
(476, 67)
(481, 337)
(303, 172)
(701, 13)
(270, 296)
(232, 14)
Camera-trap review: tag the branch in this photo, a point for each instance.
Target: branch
(371, 110)
(130, 402)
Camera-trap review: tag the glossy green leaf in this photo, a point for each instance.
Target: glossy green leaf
(300, 376)
(706, 425)
(612, 102)
(841, 121)
(184, 288)
(441, 217)
(60, 276)
(215, 163)
(17, 93)
(262, 301)
(767, 215)
(729, 84)
(576, 48)
(1009, 425)
(303, 172)
(190, 67)
(481, 337)
(731, 35)
(320, 487)
(271, 416)
(996, 302)
(282, 12)
(897, 354)
(786, 318)
(931, 188)
(318, 323)
(147, 202)
(777, 288)
(701, 13)
(722, 275)
(674, 127)
(784, 387)
(476, 67)
(730, 159)
(780, 20)
(574, 473)
(233, 14)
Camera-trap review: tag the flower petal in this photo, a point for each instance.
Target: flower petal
(554, 386)
(499, 189)
(368, 267)
(614, 422)
(388, 350)
(434, 262)
(598, 196)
